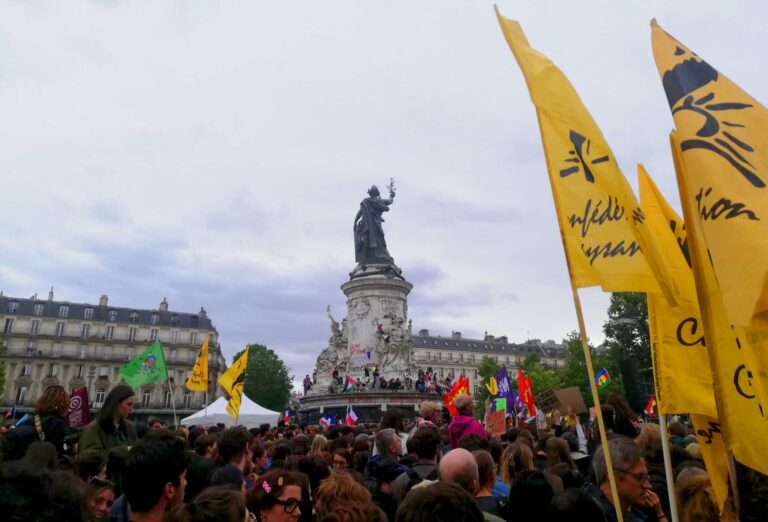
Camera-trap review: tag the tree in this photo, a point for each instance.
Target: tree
(266, 378)
(574, 372)
(542, 378)
(627, 333)
(488, 368)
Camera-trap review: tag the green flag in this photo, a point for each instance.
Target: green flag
(148, 367)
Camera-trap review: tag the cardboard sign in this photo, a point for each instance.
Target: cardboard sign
(571, 398)
(496, 422)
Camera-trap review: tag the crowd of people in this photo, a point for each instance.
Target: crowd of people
(426, 381)
(433, 467)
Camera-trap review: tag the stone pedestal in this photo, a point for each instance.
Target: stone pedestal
(377, 327)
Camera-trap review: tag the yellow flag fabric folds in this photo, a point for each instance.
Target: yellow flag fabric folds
(600, 220)
(198, 381)
(741, 417)
(233, 380)
(723, 135)
(680, 360)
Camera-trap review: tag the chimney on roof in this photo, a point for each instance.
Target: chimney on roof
(103, 300)
(502, 339)
(164, 305)
(203, 313)
(50, 295)
(456, 334)
(424, 333)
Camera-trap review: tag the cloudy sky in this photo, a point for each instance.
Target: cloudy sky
(215, 153)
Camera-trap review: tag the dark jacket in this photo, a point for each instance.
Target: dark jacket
(102, 436)
(630, 515)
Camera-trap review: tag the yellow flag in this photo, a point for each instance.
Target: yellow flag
(492, 386)
(742, 421)
(723, 135)
(680, 360)
(198, 381)
(233, 380)
(601, 223)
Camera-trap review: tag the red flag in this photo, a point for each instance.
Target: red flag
(78, 414)
(525, 389)
(649, 410)
(461, 387)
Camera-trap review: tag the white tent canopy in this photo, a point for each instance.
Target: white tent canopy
(251, 414)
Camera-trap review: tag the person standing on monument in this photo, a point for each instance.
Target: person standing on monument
(370, 246)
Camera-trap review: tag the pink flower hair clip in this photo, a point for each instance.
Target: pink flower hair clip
(266, 486)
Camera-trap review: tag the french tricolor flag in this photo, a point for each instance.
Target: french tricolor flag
(324, 422)
(351, 416)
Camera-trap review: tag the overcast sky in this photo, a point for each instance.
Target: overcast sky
(215, 153)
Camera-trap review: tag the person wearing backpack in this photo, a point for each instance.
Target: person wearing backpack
(111, 427)
(47, 424)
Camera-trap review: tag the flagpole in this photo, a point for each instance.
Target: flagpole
(173, 402)
(668, 466)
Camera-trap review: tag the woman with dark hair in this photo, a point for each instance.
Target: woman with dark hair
(41, 454)
(624, 418)
(101, 496)
(111, 427)
(530, 494)
(214, 504)
(275, 497)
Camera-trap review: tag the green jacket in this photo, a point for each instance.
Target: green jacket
(103, 437)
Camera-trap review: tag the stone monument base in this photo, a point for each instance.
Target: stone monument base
(369, 406)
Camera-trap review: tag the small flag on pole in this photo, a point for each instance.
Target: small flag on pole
(287, 416)
(351, 419)
(349, 384)
(324, 421)
(650, 409)
(233, 381)
(10, 413)
(602, 379)
(146, 368)
(198, 381)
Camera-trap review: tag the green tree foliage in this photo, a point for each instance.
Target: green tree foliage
(488, 367)
(266, 379)
(627, 333)
(574, 373)
(542, 377)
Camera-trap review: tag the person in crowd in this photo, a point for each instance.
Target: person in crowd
(573, 505)
(568, 476)
(354, 512)
(517, 457)
(649, 441)
(320, 447)
(695, 498)
(460, 467)
(101, 496)
(341, 460)
(624, 418)
(486, 471)
(430, 414)
(383, 496)
(275, 497)
(581, 459)
(154, 476)
(235, 449)
(227, 476)
(394, 418)
(464, 423)
(89, 464)
(439, 502)
(678, 435)
(526, 437)
(214, 504)
(529, 495)
(540, 452)
(558, 452)
(201, 465)
(634, 491)
(388, 446)
(155, 424)
(336, 491)
(29, 493)
(500, 489)
(426, 445)
(111, 428)
(41, 454)
(47, 423)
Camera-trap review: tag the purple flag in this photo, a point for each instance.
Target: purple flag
(78, 414)
(505, 391)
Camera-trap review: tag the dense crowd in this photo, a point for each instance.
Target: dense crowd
(433, 467)
(423, 380)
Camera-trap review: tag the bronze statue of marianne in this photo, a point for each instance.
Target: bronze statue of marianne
(370, 245)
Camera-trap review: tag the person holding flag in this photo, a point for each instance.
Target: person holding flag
(233, 381)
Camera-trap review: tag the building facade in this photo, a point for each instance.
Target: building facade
(458, 355)
(85, 345)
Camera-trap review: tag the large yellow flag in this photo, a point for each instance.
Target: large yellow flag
(723, 135)
(233, 380)
(742, 421)
(602, 226)
(198, 381)
(678, 345)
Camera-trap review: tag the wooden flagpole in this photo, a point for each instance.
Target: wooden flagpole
(668, 466)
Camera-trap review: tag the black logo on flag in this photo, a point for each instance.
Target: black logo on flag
(581, 149)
